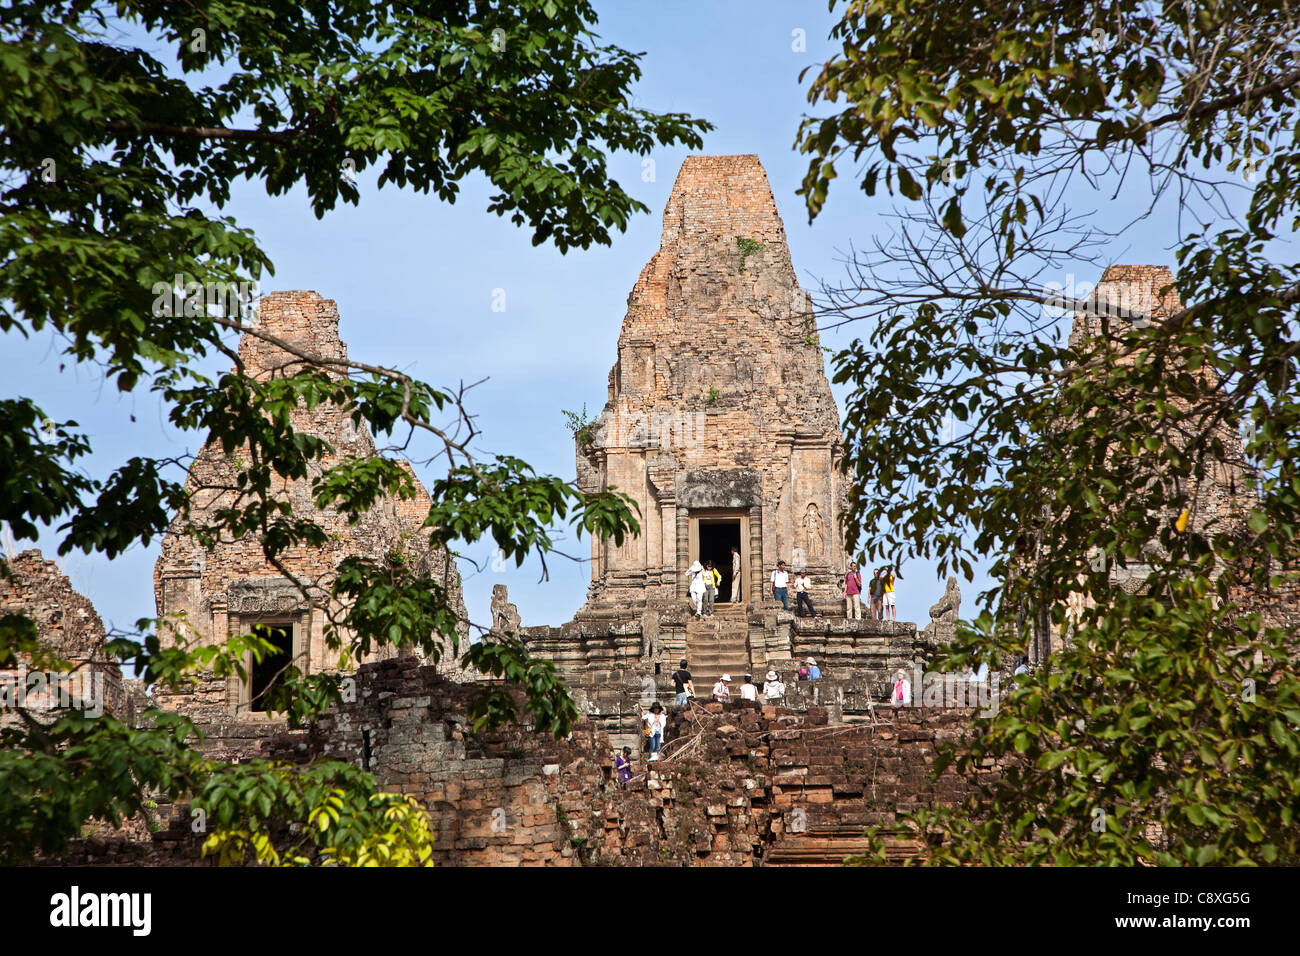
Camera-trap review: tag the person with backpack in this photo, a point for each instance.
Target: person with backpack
(683, 685)
(877, 596)
(853, 593)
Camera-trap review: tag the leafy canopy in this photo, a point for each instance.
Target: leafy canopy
(1134, 485)
(125, 126)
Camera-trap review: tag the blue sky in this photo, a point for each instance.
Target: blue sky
(414, 280)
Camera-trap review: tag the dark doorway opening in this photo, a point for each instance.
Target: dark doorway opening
(267, 673)
(717, 537)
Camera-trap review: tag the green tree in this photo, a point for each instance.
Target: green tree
(117, 165)
(1168, 728)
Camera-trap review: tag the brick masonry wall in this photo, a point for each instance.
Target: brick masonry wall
(214, 592)
(719, 369)
(68, 625)
(738, 785)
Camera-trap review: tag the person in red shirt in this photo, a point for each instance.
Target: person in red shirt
(853, 593)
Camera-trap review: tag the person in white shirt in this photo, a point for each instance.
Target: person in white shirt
(780, 582)
(979, 675)
(802, 584)
(721, 692)
(696, 572)
(773, 688)
(656, 720)
(747, 690)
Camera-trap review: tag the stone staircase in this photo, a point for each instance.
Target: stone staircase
(828, 845)
(717, 645)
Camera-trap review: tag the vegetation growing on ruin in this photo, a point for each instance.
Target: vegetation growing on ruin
(747, 247)
(581, 425)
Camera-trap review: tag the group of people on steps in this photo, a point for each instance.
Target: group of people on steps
(881, 592)
(706, 581)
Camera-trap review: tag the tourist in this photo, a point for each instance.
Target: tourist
(1021, 668)
(979, 674)
(780, 580)
(683, 685)
(735, 576)
(902, 695)
(623, 765)
(877, 597)
(656, 721)
(803, 672)
(890, 607)
(696, 571)
(747, 690)
(721, 692)
(712, 578)
(853, 593)
(801, 585)
(773, 689)
(814, 672)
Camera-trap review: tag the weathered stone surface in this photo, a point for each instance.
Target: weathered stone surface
(227, 589)
(719, 406)
(70, 628)
(721, 425)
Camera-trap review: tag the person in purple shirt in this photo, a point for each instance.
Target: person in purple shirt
(623, 765)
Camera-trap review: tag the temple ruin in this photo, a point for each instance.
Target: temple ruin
(721, 425)
(70, 630)
(209, 593)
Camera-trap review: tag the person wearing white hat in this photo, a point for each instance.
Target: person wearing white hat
(814, 671)
(773, 688)
(696, 571)
(721, 692)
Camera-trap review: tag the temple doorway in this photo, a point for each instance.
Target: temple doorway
(717, 537)
(267, 673)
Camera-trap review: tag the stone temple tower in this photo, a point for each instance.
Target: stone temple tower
(721, 425)
(720, 420)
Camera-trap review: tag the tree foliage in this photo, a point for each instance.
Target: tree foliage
(125, 126)
(1083, 468)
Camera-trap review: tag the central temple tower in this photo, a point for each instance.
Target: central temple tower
(720, 421)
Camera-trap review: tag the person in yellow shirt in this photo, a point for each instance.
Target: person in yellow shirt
(712, 580)
(891, 608)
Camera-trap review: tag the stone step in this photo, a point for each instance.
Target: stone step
(829, 845)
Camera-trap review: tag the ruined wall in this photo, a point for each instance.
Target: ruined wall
(1132, 294)
(743, 787)
(1129, 296)
(210, 593)
(719, 402)
(70, 628)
